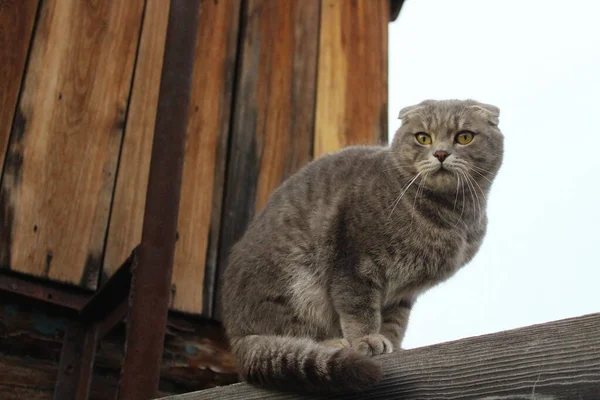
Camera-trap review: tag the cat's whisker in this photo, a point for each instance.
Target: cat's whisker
(480, 174)
(474, 194)
(404, 188)
(402, 194)
(479, 186)
(471, 164)
(462, 186)
(416, 196)
(475, 169)
(457, 187)
(480, 163)
(478, 168)
(466, 182)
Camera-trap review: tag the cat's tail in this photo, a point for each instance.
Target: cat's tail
(302, 365)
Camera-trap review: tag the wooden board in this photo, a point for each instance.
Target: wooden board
(127, 214)
(273, 110)
(205, 156)
(16, 25)
(72, 113)
(554, 361)
(352, 84)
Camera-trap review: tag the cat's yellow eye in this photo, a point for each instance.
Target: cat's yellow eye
(464, 137)
(423, 138)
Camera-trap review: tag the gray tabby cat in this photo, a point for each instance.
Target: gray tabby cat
(326, 274)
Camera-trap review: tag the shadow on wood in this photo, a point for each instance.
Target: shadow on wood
(552, 361)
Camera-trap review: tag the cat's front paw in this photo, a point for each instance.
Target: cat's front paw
(372, 345)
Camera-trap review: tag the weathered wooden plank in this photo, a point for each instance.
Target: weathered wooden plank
(352, 82)
(206, 146)
(127, 214)
(65, 147)
(195, 355)
(16, 25)
(274, 108)
(204, 162)
(553, 361)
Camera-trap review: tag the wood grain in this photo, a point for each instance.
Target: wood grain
(127, 214)
(17, 18)
(273, 110)
(205, 157)
(554, 361)
(352, 83)
(67, 144)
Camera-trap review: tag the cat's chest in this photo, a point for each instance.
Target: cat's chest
(415, 266)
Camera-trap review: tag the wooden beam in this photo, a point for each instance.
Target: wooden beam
(552, 361)
(195, 355)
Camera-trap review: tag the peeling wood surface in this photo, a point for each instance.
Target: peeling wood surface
(352, 83)
(16, 26)
(195, 356)
(554, 361)
(72, 113)
(127, 214)
(273, 108)
(205, 157)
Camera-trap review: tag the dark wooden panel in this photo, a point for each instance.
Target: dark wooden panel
(127, 214)
(395, 7)
(352, 84)
(555, 361)
(195, 355)
(274, 107)
(65, 148)
(16, 25)
(204, 163)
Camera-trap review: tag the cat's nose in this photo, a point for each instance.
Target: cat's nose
(441, 155)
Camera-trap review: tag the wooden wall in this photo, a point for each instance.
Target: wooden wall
(276, 84)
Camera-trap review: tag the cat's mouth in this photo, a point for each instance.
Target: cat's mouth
(443, 170)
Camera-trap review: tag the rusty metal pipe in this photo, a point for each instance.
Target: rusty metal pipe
(151, 285)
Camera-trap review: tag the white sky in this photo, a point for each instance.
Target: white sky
(539, 61)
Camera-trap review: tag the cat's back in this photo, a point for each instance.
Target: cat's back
(331, 173)
(298, 212)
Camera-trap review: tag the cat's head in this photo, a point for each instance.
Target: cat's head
(448, 142)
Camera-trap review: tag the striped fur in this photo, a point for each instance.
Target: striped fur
(303, 365)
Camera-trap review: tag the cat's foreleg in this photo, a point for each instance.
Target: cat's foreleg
(394, 321)
(358, 305)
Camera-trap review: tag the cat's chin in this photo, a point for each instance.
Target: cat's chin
(443, 180)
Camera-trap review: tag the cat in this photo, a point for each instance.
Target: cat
(326, 274)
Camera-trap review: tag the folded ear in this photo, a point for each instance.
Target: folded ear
(406, 111)
(492, 113)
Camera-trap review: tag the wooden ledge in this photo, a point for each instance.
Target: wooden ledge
(552, 361)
